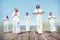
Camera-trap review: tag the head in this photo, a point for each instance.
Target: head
(16, 9)
(37, 6)
(7, 17)
(50, 13)
(26, 13)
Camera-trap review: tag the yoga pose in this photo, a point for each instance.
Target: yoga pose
(16, 21)
(52, 22)
(6, 24)
(39, 21)
(27, 22)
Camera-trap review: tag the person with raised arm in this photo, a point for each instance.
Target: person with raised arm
(27, 22)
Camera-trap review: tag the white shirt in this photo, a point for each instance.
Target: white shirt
(16, 18)
(14, 14)
(38, 10)
(52, 18)
(27, 18)
(5, 21)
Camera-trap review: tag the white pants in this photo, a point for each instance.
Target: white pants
(39, 26)
(52, 26)
(16, 27)
(6, 27)
(27, 26)
(16, 24)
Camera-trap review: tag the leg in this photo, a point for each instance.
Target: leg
(7, 28)
(27, 27)
(53, 25)
(14, 28)
(17, 28)
(39, 26)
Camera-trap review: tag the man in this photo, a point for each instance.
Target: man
(52, 22)
(16, 21)
(38, 12)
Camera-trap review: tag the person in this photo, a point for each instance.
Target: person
(27, 22)
(6, 22)
(52, 22)
(38, 12)
(16, 21)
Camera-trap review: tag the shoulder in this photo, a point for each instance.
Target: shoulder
(49, 17)
(54, 17)
(41, 10)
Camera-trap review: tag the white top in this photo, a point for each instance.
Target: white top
(38, 11)
(52, 18)
(14, 14)
(16, 17)
(27, 18)
(5, 21)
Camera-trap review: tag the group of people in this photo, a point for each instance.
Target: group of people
(39, 21)
(16, 22)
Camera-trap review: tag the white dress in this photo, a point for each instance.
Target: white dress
(16, 23)
(27, 23)
(39, 22)
(52, 23)
(38, 10)
(6, 25)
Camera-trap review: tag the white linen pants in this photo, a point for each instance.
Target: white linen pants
(6, 26)
(16, 25)
(52, 26)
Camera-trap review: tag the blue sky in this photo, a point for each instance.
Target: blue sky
(7, 8)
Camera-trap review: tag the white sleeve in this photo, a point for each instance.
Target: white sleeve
(29, 17)
(54, 17)
(40, 10)
(49, 17)
(18, 14)
(4, 18)
(25, 17)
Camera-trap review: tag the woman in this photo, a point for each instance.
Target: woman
(52, 22)
(27, 21)
(16, 21)
(6, 24)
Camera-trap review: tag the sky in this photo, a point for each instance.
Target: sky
(7, 8)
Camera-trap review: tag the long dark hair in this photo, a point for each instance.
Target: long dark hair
(7, 17)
